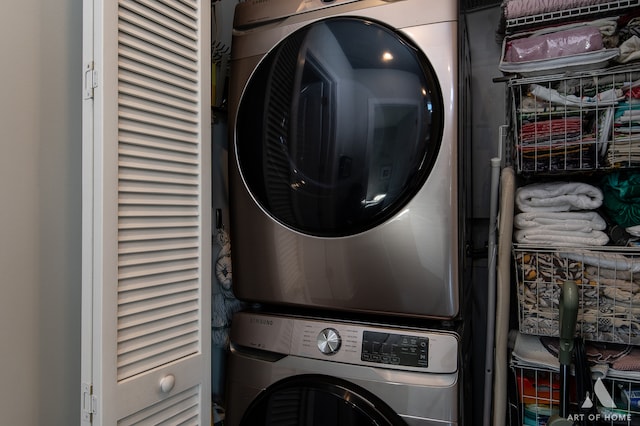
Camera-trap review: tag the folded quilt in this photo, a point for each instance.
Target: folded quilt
(558, 197)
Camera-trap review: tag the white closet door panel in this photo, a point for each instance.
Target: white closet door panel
(147, 239)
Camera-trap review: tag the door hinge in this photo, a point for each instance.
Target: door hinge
(89, 402)
(90, 80)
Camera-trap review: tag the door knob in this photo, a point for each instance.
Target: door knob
(167, 383)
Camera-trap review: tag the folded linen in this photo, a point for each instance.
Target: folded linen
(606, 97)
(548, 130)
(558, 197)
(609, 276)
(560, 238)
(609, 260)
(583, 221)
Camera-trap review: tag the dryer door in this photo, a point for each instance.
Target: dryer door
(315, 400)
(339, 127)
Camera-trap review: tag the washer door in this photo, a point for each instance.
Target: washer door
(318, 400)
(339, 126)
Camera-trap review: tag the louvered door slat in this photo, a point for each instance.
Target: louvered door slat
(157, 414)
(158, 196)
(171, 41)
(174, 321)
(133, 363)
(173, 60)
(150, 318)
(159, 338)
(173, 114)
(134, 87)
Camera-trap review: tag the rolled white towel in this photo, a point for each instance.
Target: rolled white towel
(558, 197)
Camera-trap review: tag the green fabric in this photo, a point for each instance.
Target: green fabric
(621, 198)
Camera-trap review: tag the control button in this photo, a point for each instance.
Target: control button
(329, 341)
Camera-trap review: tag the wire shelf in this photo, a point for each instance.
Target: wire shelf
(539, 396)
(583, 12)
(575, 122)
(608, 283)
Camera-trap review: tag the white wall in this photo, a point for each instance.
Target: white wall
(40, 212)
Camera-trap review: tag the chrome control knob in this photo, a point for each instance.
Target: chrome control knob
(329, 341)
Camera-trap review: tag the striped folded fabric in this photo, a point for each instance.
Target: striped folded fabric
(551, 129)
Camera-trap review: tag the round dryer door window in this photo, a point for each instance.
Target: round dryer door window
(318, 400)
(339, 127)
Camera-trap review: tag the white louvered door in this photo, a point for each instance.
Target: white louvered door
(146, 213)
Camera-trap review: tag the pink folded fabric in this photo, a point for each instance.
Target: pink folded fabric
(554, 45)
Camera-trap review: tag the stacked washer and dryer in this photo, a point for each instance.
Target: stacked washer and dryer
(349, 198)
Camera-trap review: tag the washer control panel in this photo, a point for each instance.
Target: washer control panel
(395, 349)
(354, 343)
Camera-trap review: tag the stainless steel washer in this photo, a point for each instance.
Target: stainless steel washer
(286, 370)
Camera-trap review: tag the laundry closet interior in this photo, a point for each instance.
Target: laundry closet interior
(378, 216)
(421, 212)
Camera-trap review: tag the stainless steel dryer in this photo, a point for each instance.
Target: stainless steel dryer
(345, 174)
(315, 372)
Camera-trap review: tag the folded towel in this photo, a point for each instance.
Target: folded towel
(583, 221)
(558, 197)
(561, 238)
(529, 351)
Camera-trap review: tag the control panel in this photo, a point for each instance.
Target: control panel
(380, 346)
(395, 349)
(262, 11)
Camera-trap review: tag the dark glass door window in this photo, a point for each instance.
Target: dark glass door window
(339, 127)
(318, 400)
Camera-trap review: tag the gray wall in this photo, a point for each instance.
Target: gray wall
(40, 212)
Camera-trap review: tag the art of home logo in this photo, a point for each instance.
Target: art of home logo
(604, 398)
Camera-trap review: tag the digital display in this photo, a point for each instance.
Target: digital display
(395, 349)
